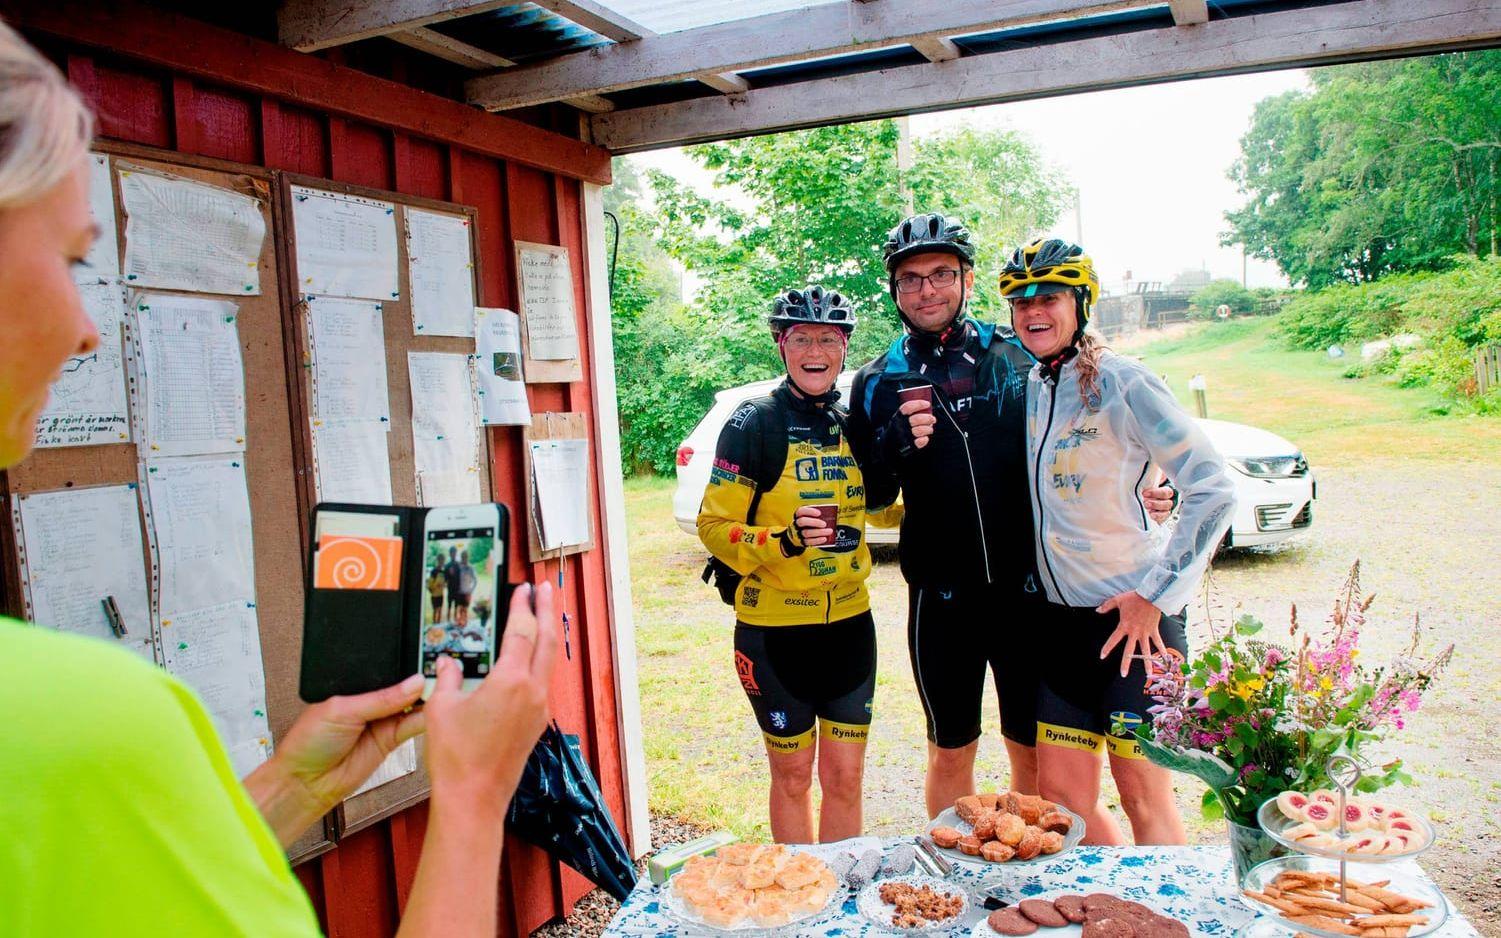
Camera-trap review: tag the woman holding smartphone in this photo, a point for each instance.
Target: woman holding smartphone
(785, 510)
(1112, 586)
(119, 810)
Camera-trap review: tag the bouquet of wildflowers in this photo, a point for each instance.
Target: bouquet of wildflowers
(1254, 719)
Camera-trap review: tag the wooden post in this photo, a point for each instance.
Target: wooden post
(1200, 387)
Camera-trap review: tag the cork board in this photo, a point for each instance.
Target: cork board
(369, 807)
(546, 288)
(549, 426)
(274, 500)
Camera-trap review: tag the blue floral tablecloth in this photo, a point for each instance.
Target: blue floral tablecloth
(1192, 884)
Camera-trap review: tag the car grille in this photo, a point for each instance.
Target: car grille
(1281, 518)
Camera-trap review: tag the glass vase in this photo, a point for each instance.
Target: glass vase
(1248, 847)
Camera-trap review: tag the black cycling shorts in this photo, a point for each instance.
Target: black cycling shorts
(1084, 702)
(796, 675)
(952, 634)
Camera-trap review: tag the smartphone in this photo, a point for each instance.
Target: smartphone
(463, 565)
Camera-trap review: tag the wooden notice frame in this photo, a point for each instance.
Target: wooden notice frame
(541, 370)
(552, 426)
(367, 808)
(269, 409)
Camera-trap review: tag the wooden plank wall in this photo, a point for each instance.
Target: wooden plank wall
(359, 887)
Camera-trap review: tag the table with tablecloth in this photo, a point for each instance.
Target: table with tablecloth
(1191, 884)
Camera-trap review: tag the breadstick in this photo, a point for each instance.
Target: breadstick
(1386, 921)
(1356, 897)
(1390, 931)
(1333, 906)
(1281, 905)
(1326, 923)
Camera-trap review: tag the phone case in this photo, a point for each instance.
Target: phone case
(359, 640)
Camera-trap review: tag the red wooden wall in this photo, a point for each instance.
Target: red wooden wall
(361, 885)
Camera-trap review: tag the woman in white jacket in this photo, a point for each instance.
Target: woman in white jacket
(1111, 586)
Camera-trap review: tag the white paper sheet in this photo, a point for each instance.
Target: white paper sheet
(79, 546)
(346, 245)
(183, 235)
(191, 377)
(441, 273)
(497, 367)
(461, 487)
(547, 303)
(353, 462)
(401, 762)
(445, 424)
(348, 346)
(199, 516)
(104, 257)
(217, 652)
(87, 406)
(560, 479)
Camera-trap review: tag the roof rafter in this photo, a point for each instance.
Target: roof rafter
(1189, 12)
(1318, 35)
(769, 39)
(598, 18)
(310, 25)
(450, 49)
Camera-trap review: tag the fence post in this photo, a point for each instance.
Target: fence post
(1200, 387)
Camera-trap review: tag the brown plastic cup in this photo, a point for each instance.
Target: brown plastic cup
(920, 392)
(829, 515)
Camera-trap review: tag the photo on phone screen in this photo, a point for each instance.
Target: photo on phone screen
(460, 618)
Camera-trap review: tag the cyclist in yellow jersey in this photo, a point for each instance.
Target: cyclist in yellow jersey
(804, 639)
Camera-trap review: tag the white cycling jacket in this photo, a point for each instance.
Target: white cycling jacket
(1088, 467)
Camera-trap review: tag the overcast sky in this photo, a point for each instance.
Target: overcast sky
(1149, 164)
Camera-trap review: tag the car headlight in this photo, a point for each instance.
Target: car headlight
(1271, 467)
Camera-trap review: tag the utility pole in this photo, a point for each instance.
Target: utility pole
(904, 161)
(1244, 284)
(1078, 218)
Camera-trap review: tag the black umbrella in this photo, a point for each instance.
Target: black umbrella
(558, 807)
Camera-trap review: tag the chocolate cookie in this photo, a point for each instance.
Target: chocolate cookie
(1106, 927)
(1100, 902)
(1071, 908)
(1042, 912)
(1010, 922)
(1160, 926)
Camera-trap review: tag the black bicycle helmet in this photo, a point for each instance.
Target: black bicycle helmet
(924, 234)
(813, 304)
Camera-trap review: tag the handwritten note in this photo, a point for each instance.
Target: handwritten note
(199, 516)
(217, 652)
(442, 273)
(104, 256)
(547, 302)
(353, 462)
(77, 547)
(346, 245)
(497, 367)
(445, 423)
(184, 235)
(191, 379)
(349, 360)
(88, 402)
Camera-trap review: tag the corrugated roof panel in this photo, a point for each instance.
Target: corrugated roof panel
(670, 16)
(521, 32)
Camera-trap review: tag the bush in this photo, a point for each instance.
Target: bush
(1211, 296)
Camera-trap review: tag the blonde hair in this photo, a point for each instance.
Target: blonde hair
(45, 128)
(1088, 363)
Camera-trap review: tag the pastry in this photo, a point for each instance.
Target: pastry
(996, 852)
(1030, 845)
(1052, 842)
(985, 825)
(968, 808)
(1009, 829)
(970, 846)
(945, 837)
(1056, 821)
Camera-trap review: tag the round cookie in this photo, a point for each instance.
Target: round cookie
(1042, 912)
(1159, 926)
(1010, 922)
(1100, 902)
(1071, 907)
(1106, 927)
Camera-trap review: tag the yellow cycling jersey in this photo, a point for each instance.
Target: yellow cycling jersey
(785, 584)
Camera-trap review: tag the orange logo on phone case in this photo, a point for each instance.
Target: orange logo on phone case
(358, 563)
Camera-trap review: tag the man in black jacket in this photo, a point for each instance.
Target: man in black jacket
(940, 418)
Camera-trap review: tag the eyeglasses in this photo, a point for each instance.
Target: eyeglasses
(940, 278)
(825, 343)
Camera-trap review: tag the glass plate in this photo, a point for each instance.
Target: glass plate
(878, 913)
(1276, 824)
(1403, 882)
(950, 818)
(679, 909)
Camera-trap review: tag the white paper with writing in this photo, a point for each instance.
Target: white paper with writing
(497, 367)
(547, 304)
(346, 245)
(445, 423)
(103, 261)
(353, 462)
(216, 651)
(347, 340)
(87, 405)
(191, 379)
(185, 235)
(441, 273)
(560, 479)
(199, 516)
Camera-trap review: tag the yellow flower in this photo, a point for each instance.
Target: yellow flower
(1326, 683)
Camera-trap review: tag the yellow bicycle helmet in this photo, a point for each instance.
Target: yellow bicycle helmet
(1050, 266)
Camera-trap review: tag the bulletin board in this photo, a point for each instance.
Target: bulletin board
(275, 502)
(550, 426)
(369, 807)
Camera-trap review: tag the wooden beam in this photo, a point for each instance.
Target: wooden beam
(1296, 38)
(597, 17)
(593, 103)
(725, 83)
(809, 32)
(935, 48)
(1189, 12)
(310, 25)
(450, 49)
(192, 48)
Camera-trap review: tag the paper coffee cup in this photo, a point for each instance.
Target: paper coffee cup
(829, 515)
(920, 392)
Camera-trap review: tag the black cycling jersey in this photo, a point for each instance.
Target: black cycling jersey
(968, 518)
(796, 674)
(1084, 703)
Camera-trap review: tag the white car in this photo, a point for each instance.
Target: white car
(1274, 488)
